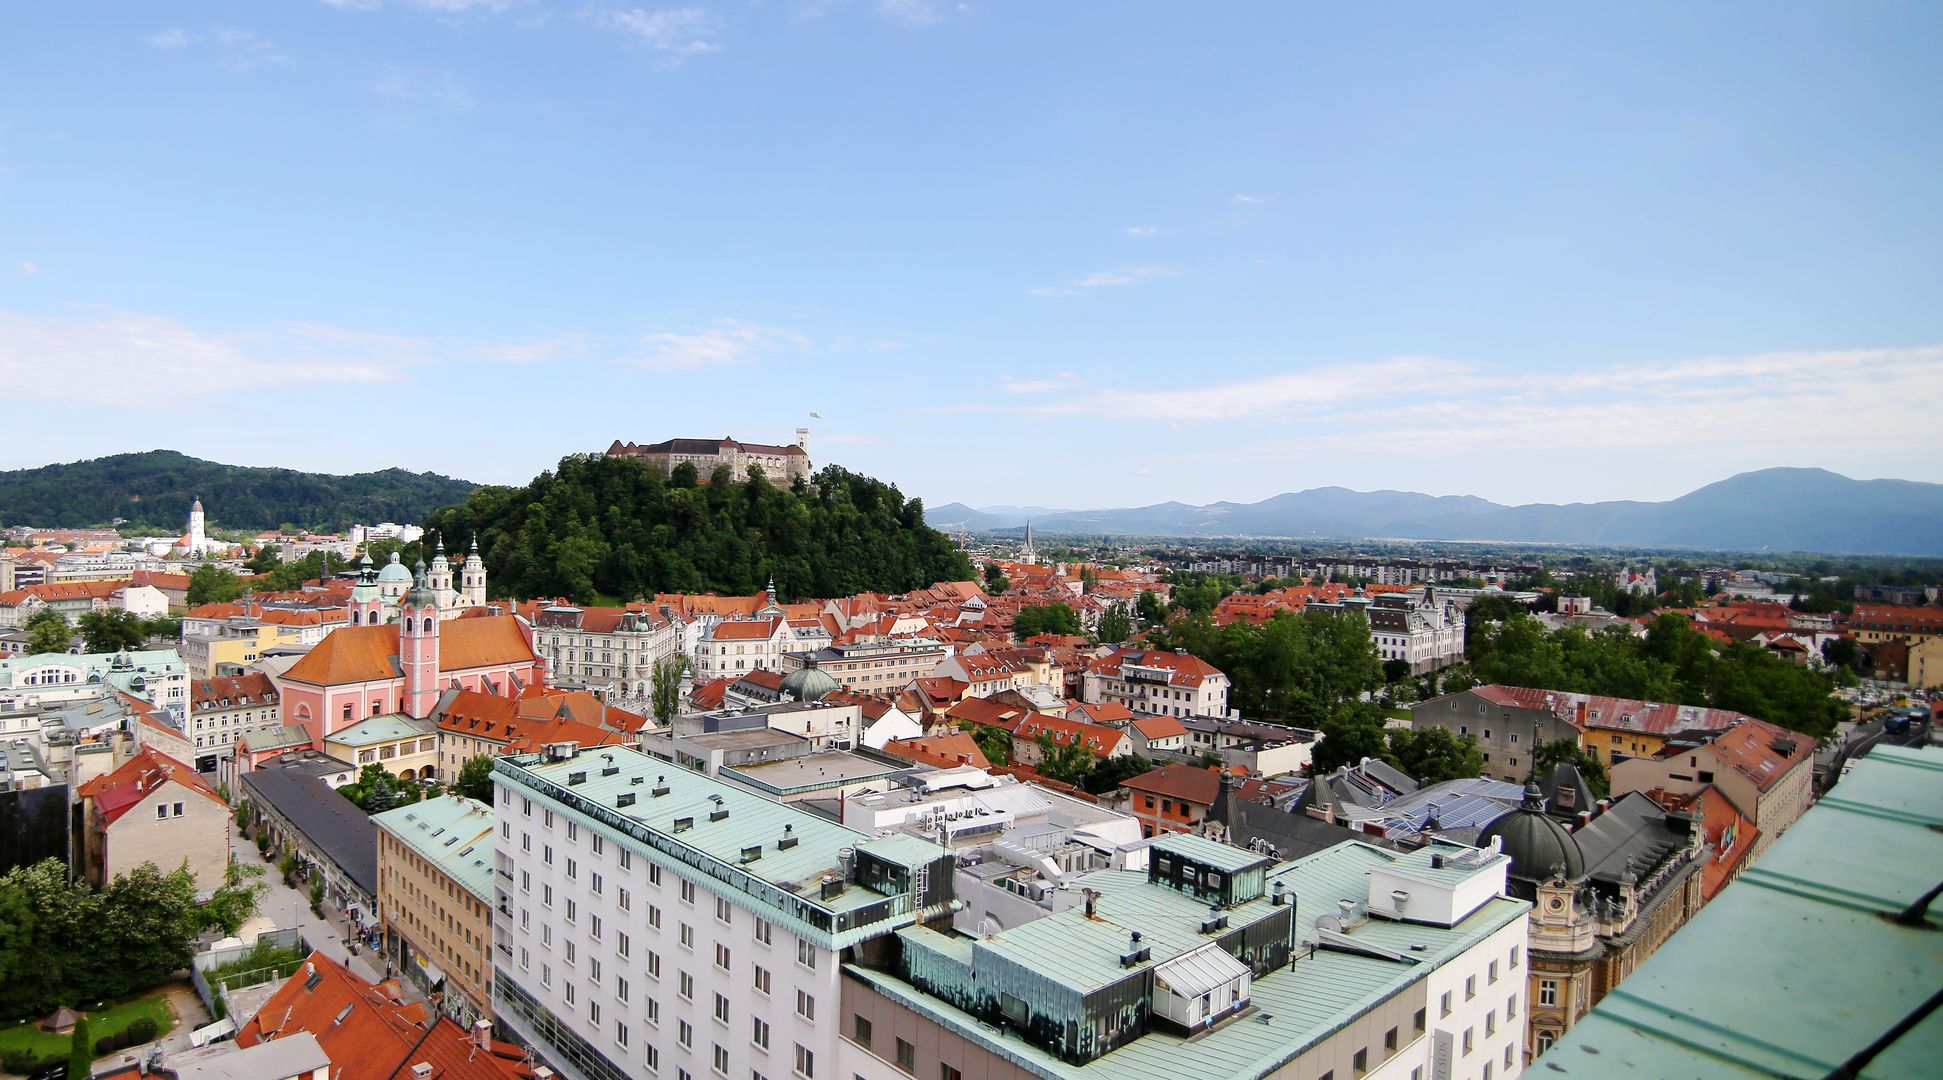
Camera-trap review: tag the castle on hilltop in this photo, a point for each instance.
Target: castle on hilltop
(781, 464)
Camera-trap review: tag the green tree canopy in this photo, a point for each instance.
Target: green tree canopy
(48, 632)
(1054, 618)
(664, 696)
(154, 490)
(1567, 751)
(1116, 625)
(80, 1054)
(1432, 755)
(607, 528)
(475, 779)
(213, 585)
(1353, 732)
(65, 943)
(113, 631)
(1293, 667)
(1673, 662)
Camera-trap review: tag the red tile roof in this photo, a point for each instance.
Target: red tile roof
(232, 692)
(131, 784)
(746, 630)
(1598, 712)
(527, 723)
(1183, 669)
(1101, 741)
(352, 654)
(1196, 784)
(370, 1032)
(944, 751)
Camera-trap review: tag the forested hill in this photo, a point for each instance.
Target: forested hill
(154, 490)
(611, 528)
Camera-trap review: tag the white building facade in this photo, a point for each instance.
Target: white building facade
(650, 922)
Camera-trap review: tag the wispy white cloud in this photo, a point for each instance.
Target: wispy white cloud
(441, 7)
(28, 268)
(439, 88)
(1129, 275)
(172, 38)
(678, 31)
(244, 50)
(1142, 230)
(155, 361)
(1065, 380)
(152, 361)
(1771, 403)
(1250, 200)
(726, 342)
(919, 12)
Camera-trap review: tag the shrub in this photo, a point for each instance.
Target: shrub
(104, 1045)
(26, 1062)
(142, 1030)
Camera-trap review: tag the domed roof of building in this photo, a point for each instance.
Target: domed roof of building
(421, 592)
(809, 683)
(395, 571)
(1534, 841)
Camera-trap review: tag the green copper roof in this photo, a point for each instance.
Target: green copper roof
(676, 829)
(452, 833)
(1297, 1006)
(1799, 964)
(383, 728)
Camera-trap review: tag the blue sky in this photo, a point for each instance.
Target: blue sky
(1074, 255)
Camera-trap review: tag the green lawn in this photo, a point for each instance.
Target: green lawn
(109, 1021)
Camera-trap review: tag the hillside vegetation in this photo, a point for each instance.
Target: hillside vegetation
(153, 491)
(609, 528)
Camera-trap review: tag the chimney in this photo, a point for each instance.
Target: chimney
(1399, 898)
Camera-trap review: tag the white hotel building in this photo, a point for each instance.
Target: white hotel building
(653, 922)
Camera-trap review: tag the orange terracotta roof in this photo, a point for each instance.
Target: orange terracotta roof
(745, 630)
(1159, 727)
(117, 792)
(241, 691)
(1101, 741)
(369, 653)
(371, 1032)
(944, 751)
(350, 654)
(1196, 784)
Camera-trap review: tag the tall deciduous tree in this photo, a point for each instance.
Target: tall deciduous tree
(1433, 755)
(475, 779)
(664, 697)
(1054, 618)
(1567, 751)
(213, 585)
(112, 631)
(1115, 625)
(48, 632)
(1353, 732)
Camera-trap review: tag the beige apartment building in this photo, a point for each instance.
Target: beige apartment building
(873, 667)
(153, 809)
(434, 898)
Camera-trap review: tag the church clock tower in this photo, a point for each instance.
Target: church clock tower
(418, 646)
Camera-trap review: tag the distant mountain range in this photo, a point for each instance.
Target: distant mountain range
(154, 490)
(1767, 510)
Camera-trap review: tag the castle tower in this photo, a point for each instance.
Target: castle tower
(367, 604)
(198, 537)
(418, 646)
(472, 578)
(439, 578)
